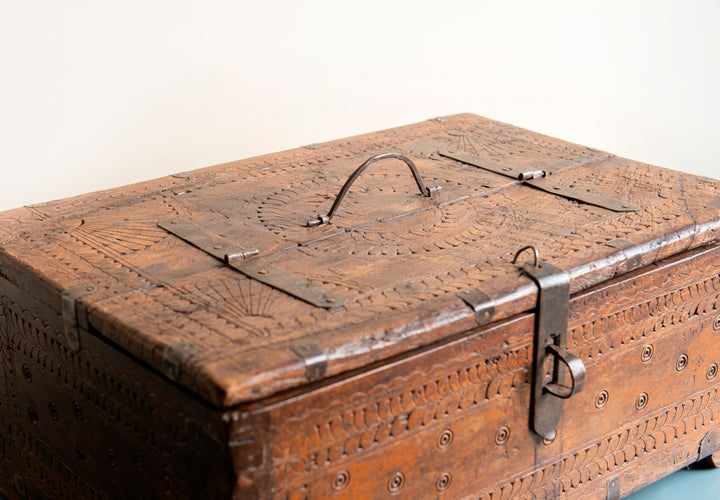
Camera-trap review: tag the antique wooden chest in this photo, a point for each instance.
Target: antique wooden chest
(456, 308)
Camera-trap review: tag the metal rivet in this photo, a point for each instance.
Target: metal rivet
(77, 410)
(341, 480)
(33, 416)
(647, 353)
(54, 414)
(445, 438)
(712, 371)
(27, 374)
(111, 457)
(264, 271)
(396, 482)
(681, 362)
(502, 435)
(601, 399)
(443, 482)
(641, 401)
(716, 324)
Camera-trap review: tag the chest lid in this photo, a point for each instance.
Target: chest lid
(239, 281)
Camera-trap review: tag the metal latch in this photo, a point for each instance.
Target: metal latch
(551, 325)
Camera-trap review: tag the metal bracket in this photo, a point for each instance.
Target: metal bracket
(481, 303)
(256, 269)
(613, 489)
(314, 358)
(74, 316)
(551, 325)
(631, 252)
(538, 180)
(708, 445)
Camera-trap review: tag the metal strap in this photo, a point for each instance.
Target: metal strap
(255, 268)
(538, 180)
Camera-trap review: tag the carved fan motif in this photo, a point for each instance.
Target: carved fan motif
(241, 301)
(112, 233)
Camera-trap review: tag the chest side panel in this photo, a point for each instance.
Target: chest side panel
(93, 423)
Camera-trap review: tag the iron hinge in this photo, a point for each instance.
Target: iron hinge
(551, 325)
(74, 317)
(538, 179)
(254, 268)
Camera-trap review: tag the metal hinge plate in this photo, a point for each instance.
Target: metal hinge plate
(541, 182)
(254, 268)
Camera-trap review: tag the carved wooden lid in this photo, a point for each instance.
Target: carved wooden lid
(396, 258)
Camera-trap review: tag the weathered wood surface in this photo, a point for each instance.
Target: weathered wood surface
(158, 297)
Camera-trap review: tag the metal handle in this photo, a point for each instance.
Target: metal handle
(425, 191)
(578, 374)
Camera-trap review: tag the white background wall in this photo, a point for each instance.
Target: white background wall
(95, 94)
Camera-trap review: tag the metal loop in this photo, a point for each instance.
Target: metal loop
(425, 191)
(578, 374)
(528, 247)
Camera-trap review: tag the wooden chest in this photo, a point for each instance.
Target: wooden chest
(479, 311)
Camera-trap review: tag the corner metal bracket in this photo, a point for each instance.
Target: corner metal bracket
(314, 357)
(708, 445)
(613, 489)
(481, 303)
(538, 180)
(254, 268)
(73, 316)
(550, 341)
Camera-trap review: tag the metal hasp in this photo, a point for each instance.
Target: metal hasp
(551, 325)
(253, 268)
(430, 192)
(538, 180)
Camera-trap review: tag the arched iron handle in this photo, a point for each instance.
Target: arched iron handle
(425, 191)
(578, 374)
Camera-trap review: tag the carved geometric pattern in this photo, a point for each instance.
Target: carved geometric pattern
(649, 435)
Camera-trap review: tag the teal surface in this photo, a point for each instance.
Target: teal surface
(685, 484)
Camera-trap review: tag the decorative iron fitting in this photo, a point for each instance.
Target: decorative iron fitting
(613, 489)
(74, 315)
(314, 357)
(481, 303)
(550, 340)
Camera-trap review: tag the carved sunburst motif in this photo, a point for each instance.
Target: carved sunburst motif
(120, 231)
(241, 301)
(478, 146)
